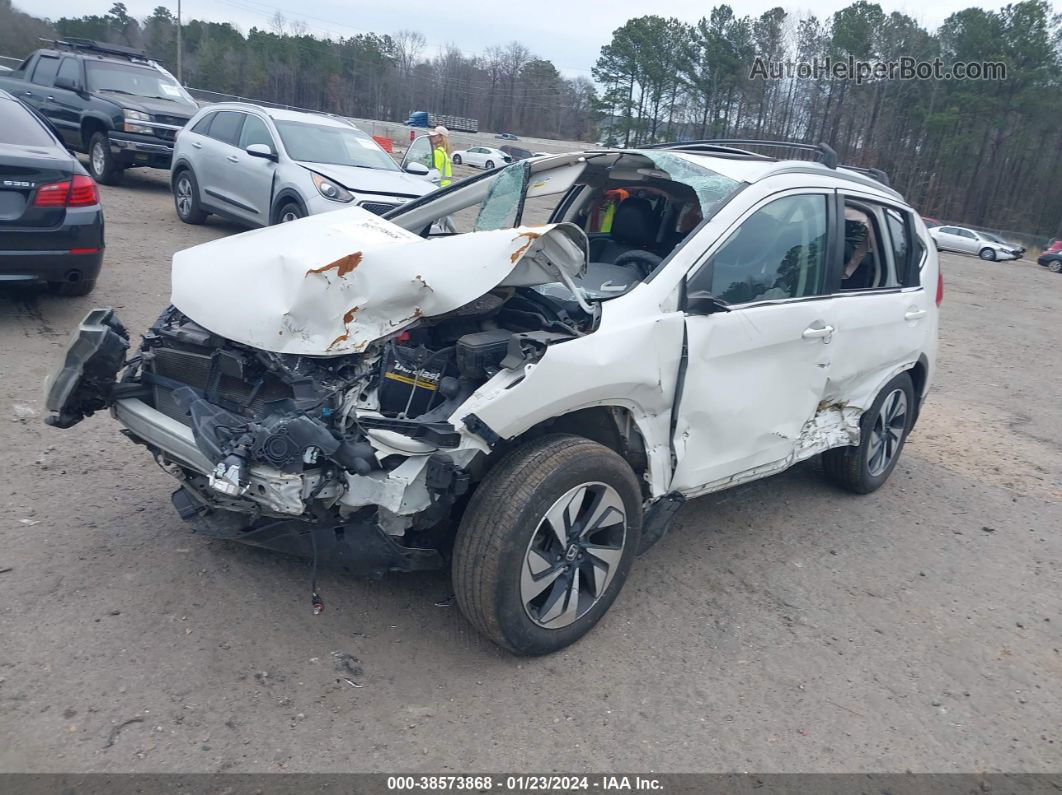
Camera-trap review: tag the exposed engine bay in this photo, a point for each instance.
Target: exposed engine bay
(301, 436)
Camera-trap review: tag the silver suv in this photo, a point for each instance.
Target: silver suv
(262, 166)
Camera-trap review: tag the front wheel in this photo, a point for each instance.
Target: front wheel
(882, 433)
(290, 212)
(546, 543)
(987, 254)
(102, 165)
(456, 160)
(1055, 266)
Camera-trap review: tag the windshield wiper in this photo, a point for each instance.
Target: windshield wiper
(120, 91)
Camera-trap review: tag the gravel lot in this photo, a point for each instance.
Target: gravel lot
(782, 626)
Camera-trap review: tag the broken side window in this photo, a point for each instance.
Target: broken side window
(504, 204)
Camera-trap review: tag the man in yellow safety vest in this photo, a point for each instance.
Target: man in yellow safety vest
(440, 154)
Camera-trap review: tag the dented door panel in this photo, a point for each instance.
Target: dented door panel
(752, 384)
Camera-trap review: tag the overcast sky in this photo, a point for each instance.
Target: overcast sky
(568, 32)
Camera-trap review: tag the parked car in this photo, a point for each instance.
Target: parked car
(970, 241)
(1052, 246)
(507, 136)
(109, 101)
(481, 156)
(51, 221)
(262, 166)
(515, 153)
(528, 404)
(931, 222)
(1052, 260)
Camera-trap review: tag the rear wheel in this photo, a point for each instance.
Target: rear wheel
(102, 165)
(186, 198)
(546, 543)
(882, 431)
(488, 165)
(1055, 266)
(987, 254)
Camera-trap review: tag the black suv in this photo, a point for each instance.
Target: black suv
(109, 101)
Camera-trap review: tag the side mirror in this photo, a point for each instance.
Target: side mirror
(261, 150)
(419, 169)
(69, 83)
(702, 302)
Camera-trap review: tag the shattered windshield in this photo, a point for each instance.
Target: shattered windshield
(712, 189)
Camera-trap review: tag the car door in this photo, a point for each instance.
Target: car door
(946, 238)
(880, 322)
(249, 179)
(218, 147)
(966, 241)
(419, 151)
(756, 372)
(38, 91)
(64, 106)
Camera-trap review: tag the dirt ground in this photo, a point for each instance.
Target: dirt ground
(781, 626)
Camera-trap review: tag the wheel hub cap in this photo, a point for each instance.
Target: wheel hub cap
(573, 555)
(887, 433)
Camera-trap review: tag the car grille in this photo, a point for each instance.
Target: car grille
(377, 207)
(165, 135)
(193, 369)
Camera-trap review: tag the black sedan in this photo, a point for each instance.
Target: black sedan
(1052, 260)
(51, 221)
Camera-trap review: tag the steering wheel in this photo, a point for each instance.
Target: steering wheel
(645, 261)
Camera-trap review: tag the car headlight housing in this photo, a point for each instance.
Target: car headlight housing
(331, 190)
(132, 116)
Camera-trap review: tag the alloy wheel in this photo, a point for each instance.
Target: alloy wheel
(573, 555)
(99, 159)
(887, 433)
(184, 196)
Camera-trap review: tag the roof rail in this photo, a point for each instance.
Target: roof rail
(873, 173)
(90, 45)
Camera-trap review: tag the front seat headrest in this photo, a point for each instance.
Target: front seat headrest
(633, 224)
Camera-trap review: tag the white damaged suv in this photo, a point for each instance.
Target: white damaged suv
(530, 398)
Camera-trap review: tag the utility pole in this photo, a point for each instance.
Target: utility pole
(180, 78)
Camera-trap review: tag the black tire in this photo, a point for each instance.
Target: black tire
(456, 160)
(987, 254)
(488, 165)
(1055, 266)
(290, 211)
(185, 191)
(71, 289)
(506, 516)
(102, 165)
(851, 467)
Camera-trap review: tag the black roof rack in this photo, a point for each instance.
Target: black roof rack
(873, 173)
(90, 45)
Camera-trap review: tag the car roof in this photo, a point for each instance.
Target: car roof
(283, 114)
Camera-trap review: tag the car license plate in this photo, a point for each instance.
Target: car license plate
(11, 205)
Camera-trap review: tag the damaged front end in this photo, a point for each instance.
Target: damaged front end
(320, 413)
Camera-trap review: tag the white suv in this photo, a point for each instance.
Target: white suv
(531, 398)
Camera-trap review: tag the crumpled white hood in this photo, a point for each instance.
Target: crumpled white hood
(330, 284)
